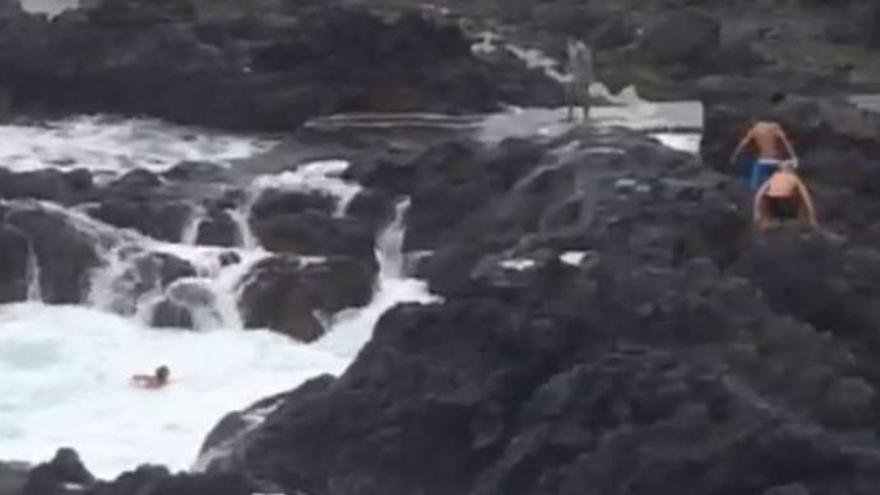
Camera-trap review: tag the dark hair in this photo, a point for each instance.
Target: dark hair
(162, 373)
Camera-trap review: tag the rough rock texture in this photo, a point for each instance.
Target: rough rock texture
(219, 229)
(15, 251)
(49, 184)
(686, 37)
(138, 58)
(64, 474)
(609, 321)
(13, 476)
(313, 233)
(288, 295)
(66, 255)
(139, 201)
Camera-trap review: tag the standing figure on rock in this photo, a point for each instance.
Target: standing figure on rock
(783, 197)
(767, 136)
(580, 66)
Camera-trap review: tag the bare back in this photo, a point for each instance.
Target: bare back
(767, 137)
(783, 185)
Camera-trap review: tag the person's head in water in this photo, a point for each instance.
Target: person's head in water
(162, 373)
(777, 97)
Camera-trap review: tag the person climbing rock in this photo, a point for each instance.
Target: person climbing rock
(783, 197)
(158, 379)
(580, 65)
(766, 135)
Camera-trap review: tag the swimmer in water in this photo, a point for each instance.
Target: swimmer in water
(157, 380)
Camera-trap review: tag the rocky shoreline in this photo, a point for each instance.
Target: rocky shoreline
(609, 322)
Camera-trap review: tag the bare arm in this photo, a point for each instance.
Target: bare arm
(742, 144)
(808, 202)
(780, 133)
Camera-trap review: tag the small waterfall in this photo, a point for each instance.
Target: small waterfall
(34, 290)
(246, 237)
(389, 244)
(190, 233)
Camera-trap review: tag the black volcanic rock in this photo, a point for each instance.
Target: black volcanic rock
(285, 294)
(156, 216)
(609, 320)
(218, 229)
(48, 184)
(14, 267)
(313, 233)
(687, 37)
(131, 57)
(64, 474)
(66, 256)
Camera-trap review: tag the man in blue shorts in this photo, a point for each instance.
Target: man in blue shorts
(766, 137)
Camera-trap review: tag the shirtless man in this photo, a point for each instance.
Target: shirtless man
(157, 380)
(783, 197)
(766, 136)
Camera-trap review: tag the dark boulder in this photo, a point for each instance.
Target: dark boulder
(136, 182)
(373, 207)
(276, 202)
(48, 184)
(13, 476)
(218, 229)
(15, 252)
(615, 31)
(287, 294)
(64, 474)
(455, 179)
(168, 314)
(128, 14)
(192, 171)
(133, 57)
(313, 233)
(160, 218)
(66, 255)
(154, 480)
(685, 37)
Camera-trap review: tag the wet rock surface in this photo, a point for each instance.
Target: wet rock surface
(244, 72)
(290, 295)
(609, 320)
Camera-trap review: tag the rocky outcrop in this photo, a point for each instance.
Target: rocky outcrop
(609, 320)
(312, 233)
(64, 474)
(688, 37)
(290, 295)
(13, 476)
(15, 252)
(65, 254)
(130, 57)
(49, 184)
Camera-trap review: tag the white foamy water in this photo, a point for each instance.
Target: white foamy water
(113, 145)
(64, 373)
(64, 370)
